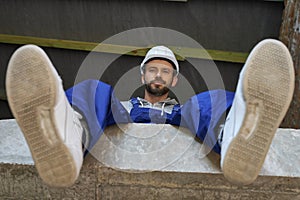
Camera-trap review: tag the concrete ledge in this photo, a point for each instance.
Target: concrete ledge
(188, 176)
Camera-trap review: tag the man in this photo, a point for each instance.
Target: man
(55, 131)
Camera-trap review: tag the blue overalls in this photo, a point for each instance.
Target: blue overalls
(201, 114)
(140, 114)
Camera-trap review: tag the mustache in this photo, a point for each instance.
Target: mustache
(158, 80)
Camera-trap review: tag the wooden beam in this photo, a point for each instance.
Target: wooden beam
(182, 52)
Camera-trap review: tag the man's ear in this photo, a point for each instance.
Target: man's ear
(143, 79)
(174, 82)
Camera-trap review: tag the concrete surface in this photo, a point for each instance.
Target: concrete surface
(135, 161)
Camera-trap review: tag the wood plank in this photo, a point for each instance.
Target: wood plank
(182, 52)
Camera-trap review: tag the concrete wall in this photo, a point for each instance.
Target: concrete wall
(96, 182)
(105, 175)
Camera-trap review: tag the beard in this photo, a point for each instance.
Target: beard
(157, 90)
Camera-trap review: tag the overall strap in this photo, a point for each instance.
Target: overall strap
(135, 102)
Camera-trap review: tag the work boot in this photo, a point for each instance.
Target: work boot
(263, 95)
(51, 127)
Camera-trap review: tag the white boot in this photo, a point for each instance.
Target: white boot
(264, 92)
(51, 127)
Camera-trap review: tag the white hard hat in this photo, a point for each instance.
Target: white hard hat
(160, 52)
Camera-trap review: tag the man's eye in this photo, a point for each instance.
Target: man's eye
(166, 71)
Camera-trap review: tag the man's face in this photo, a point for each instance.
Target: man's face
(158, 77)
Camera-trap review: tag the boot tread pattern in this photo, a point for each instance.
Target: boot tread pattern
(268, 86)
(30, 87)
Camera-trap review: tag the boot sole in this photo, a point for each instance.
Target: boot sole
(31, 90)
(268, 92)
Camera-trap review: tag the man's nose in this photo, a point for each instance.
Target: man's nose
(158, 74)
